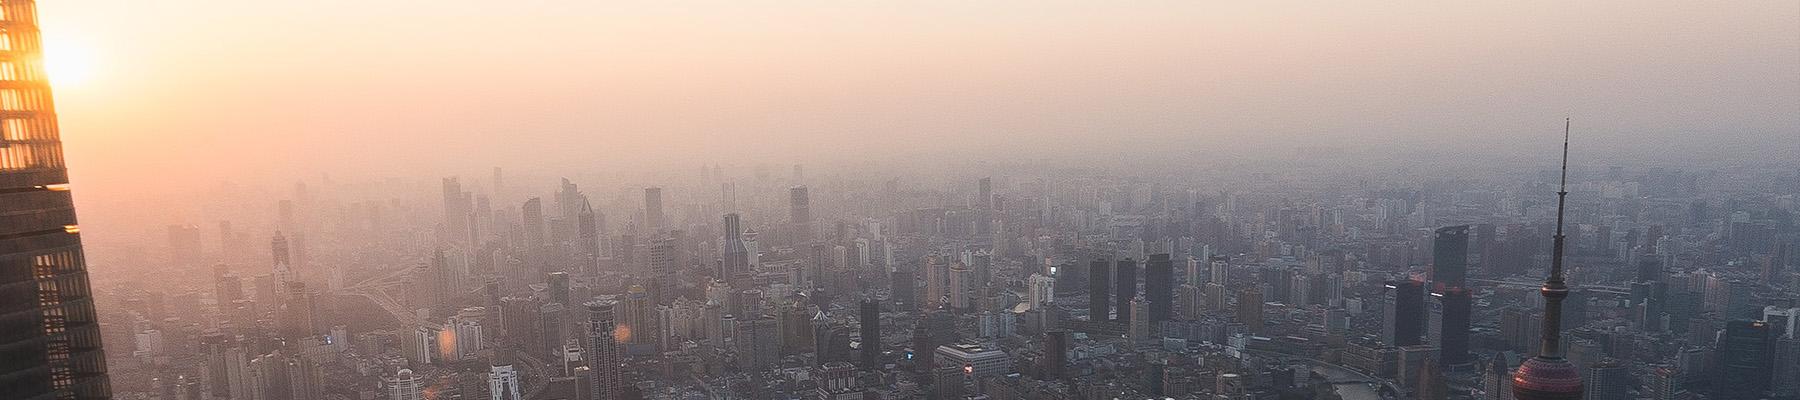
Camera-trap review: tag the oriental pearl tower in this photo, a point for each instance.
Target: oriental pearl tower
(1549, 376)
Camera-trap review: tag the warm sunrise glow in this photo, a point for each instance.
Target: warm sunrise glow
(69, 63)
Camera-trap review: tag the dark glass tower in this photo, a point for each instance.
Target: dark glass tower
(1457, 309)
(1099, 291)
(869, 321)
(49, 339)
(1403, 315)
(1744, 362)
(1550, 376)
(1450, 257)
(1159, 278)
(1126, 289)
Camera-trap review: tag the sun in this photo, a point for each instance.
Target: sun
(69, 63)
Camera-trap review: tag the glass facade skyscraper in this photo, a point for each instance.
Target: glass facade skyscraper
(49, 337)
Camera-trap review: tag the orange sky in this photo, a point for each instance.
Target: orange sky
(184, 93)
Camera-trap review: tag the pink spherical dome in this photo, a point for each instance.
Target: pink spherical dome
(1547, 379)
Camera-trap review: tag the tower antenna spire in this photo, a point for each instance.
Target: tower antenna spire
(1555, 289)
(1550, 375)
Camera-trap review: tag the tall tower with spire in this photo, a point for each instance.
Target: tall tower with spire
(1550, 376)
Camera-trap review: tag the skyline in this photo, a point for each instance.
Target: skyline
(247, 93)
(862, 200)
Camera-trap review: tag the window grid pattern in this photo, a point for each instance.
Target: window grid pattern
(49, 336)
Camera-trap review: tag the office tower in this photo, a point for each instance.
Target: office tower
(227, 289)
(587, 229)
(653, 209)
(184, 245)
(556, 285)
(404, 385)
(1403, 313)
(456, 212)
(984, 194)
(637, 323)
(216, 346)
(1250, 309)
(837, 380)
(1549, 376)
(1457, 308)
(728, 197)
(283, 262)
(820, 261)
(822, 334)
(1743, 360)
(531, 216)
(569, 200)
(923, 349)
(1099, 297)
(503, 383)
(1125, 288)
(298, 315)
(602, 350)
(1159, 279)
(904, 282)
(1496, 379)
(1450, 257)
(1139, 328)
(552, 329)
(799, 214)
(758, 342)
(1610, 380)
(735, 257)
(1040, 291)
(869, 323)
(1056, 354)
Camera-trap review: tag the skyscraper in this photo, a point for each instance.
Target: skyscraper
(1126, 286)
(1099, 295)
(1056, 349)
(1450, 257)
(603, 349)
(984, 194)
(734, 263)
(869, 320)
(503, 382)
(404, 385)
(1250, 308)
(456, 211)
(1159, 278)
(1402, 322)
(1744, 368)
(1457, 306)
(653, 209)
(1549, 376)
(800, 214)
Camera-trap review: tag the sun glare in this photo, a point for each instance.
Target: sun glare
(69, 63)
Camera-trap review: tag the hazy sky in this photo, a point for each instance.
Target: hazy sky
(182, 92)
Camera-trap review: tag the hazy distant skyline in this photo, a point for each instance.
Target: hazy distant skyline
(187, 93)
